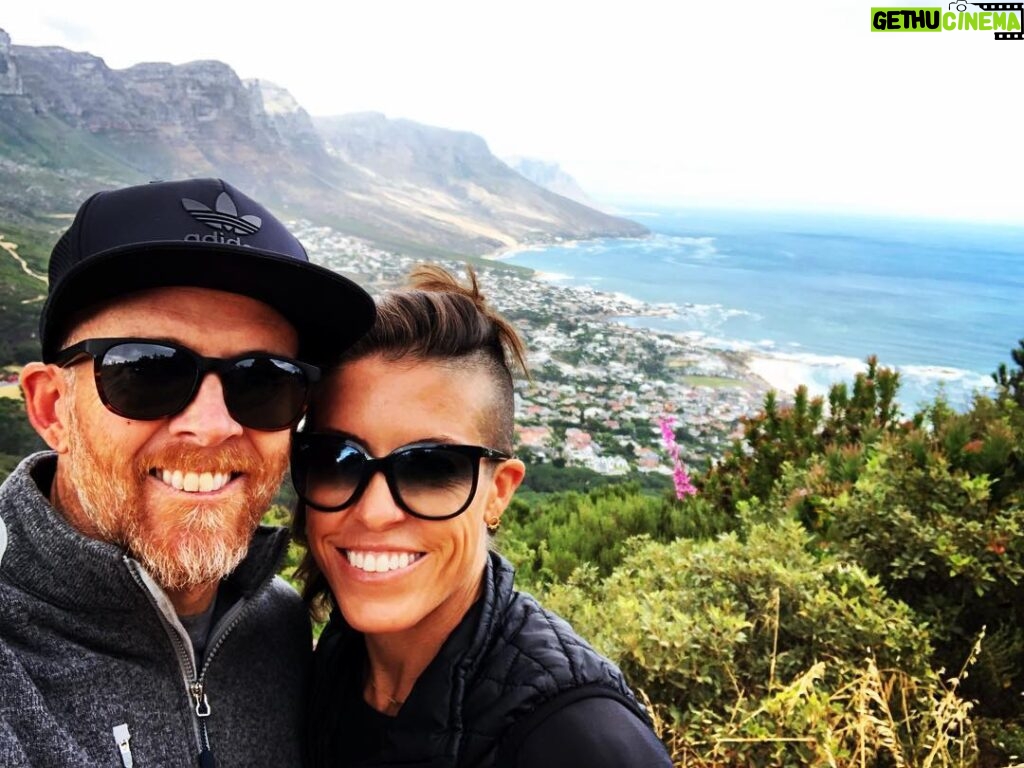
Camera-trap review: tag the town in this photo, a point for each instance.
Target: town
(598, 387)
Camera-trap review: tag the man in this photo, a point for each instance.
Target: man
(141, 623)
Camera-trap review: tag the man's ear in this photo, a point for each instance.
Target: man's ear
(44, 387)
(507, 477)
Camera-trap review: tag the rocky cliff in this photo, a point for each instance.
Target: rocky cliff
(70, 124)
(10, 82)
(552, 177)
(453, 182)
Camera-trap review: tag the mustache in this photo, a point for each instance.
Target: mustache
(233, 459)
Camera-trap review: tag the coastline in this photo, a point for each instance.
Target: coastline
(762, 370)
(508, 251)
(767, 368)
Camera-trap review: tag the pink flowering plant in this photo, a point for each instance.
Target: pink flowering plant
(684, 486)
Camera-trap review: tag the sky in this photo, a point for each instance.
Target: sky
(744, 104)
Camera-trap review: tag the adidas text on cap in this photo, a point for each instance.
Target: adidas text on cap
(202, 233)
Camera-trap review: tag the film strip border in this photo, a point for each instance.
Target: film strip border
(1019, 7)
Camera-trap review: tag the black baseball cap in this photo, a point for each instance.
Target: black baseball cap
(202, 233)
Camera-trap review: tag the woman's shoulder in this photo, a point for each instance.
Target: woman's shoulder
(544, 642)
(592, 730)
(534, 654)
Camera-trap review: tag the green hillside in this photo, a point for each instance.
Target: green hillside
(24, 253)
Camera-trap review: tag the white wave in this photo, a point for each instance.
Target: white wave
(945, 373)
(686, 247)
(553, 277)
(625, 298)
(919, 384)
(715, 315)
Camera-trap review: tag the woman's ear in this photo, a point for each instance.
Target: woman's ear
(43, 387)
(507, 477)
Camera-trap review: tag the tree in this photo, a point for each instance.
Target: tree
(1011, 382)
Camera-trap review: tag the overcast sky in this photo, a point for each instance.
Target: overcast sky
(738, 104)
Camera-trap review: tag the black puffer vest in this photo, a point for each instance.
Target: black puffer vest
(507, 665)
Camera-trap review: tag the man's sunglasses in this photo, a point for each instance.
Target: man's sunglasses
(145, 379)
(433, 481)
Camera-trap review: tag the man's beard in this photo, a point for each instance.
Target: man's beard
(182, 544)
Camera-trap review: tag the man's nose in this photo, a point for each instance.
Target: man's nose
(206, 420)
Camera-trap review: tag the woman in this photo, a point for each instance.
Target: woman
(431, 657)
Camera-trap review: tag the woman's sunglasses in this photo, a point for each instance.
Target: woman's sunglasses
(144, 379)
(434, 481)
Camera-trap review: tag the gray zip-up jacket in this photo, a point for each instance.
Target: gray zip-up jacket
(96, 669)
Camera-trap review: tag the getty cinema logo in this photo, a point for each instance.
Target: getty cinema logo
(224, 217)
(1004, 19)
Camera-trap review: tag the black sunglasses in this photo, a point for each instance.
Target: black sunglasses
(433, 481)
(145, 379)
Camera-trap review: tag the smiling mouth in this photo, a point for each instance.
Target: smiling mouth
(192, 482)
(381, 562)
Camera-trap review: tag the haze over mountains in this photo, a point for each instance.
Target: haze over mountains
(69, 125)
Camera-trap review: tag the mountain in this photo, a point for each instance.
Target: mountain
(69, 125)
(453, 183)
(552, 177)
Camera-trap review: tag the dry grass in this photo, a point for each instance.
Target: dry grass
(882, 717)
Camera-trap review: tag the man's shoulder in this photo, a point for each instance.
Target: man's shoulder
(281, 613)
(280, 592)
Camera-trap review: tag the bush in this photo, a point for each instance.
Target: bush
(554, 535)
(936, 540)
(753, 651)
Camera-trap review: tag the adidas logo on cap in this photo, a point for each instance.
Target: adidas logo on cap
(223, 216)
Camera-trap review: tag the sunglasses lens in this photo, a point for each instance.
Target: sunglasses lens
(433, 482)
(146, 381)
(265, 392)
(330, 473)
(326, 471)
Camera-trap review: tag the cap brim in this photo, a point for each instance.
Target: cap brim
(329, 311)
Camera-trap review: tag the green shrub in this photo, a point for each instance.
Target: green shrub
(554, 535)
(747, 647)
(935, 539)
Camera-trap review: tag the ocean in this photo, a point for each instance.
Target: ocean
(810, 297)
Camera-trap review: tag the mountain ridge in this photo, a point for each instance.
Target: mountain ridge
(397, 183)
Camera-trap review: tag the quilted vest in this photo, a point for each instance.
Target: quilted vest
(508, 664)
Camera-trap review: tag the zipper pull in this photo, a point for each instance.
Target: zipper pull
(202, 711)
(121, 738)
(202, 705)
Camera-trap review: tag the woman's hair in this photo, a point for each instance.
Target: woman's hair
(434, 319)
(438, 319)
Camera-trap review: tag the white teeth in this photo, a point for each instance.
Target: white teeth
(380, 562)
(191, 482)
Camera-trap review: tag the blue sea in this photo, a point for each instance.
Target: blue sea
(812, 296)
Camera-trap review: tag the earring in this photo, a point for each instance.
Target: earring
(493, 525)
